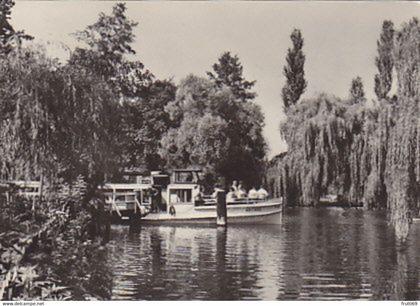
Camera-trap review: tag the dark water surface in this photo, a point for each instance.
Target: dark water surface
(315, 254)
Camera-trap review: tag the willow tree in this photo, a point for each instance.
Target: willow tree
(316, 133)
(103, 58)
(403, 159)
(368, 153)
(46, 110)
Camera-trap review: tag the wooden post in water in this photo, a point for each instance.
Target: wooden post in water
(221, 208)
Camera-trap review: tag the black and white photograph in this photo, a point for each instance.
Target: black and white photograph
(209, 151)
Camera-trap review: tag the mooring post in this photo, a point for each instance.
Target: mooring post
(221, 208)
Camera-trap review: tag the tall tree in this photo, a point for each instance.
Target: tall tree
(295, 75)
(9, 38)
(403, 156)
(111, 35)
(25, 94)
(146, 122)
(384, 61)
(234, 139)
(108, 43)
(357, 93)
(228, 72)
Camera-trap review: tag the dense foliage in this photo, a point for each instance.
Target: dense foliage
(216, 131)
(366, 152)
(48, 252)
(87, 119)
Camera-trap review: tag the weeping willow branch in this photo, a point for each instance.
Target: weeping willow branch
(366, 152)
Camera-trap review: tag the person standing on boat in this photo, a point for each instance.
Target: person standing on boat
(217, 188)
(154, 196)
(262, 193)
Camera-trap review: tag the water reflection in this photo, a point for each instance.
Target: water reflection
(314, 254)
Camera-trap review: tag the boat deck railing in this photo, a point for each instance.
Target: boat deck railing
(209, 201)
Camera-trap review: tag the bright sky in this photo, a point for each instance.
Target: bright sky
(178, 38)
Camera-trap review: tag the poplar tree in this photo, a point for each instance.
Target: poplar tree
(357, 93)
(384, 61)
(293, 71)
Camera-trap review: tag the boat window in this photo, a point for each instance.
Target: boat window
(120, 198)
(130, 198)
(186, 177)
(180, 196)
(162, 180)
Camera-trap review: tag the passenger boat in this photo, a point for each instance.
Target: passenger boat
(177, 202)
(241, 212)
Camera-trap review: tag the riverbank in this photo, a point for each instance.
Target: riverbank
(48, 252)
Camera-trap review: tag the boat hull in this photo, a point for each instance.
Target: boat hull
(260, 213)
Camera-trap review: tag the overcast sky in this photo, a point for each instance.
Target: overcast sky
(174, 39)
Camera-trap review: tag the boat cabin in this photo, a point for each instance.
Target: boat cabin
(187, 176)
(123, 197)
(184, 187)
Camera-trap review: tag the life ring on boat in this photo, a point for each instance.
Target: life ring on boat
(172, 211)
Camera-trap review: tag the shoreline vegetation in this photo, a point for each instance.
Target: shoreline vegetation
(365, 151)
(80, 122)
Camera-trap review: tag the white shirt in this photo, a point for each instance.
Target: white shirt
(253, 194)
(241, 194)
(174, 198)
(262, 193)
(216, 190)
(230, 197)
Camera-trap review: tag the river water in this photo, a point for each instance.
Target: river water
(314, 254)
